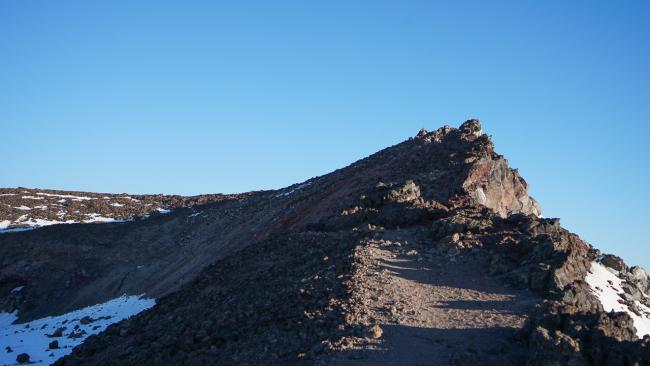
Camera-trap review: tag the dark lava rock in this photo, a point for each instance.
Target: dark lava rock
(22, 358)
(77, 334)
(614, 262)
(58, 332)
(53, 345)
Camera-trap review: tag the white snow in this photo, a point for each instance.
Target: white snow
(22, 208)
(6, 319)
(34, 223)
(17, 229)
(290, 192)
(75, 198)
(115, 204)
(42, 207)
(32, 198)
(98, 218)
(195, 214)
(45, 222)
(163, 210)
(607, 287)
(7, 194)
(32, 338)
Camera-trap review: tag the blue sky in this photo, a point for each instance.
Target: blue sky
(200, 97)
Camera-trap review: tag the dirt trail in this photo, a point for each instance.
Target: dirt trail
(435, 310)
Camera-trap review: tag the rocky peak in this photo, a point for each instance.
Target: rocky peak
(485, 176)
(471, 127)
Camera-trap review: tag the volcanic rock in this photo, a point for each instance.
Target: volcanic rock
(22, 358)
(431, 250)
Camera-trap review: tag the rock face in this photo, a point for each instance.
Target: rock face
(614, 262)
(430, 251)
(491, 183)
(488, 180)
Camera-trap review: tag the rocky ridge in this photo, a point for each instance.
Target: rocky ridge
(24, 208)
(428, 252)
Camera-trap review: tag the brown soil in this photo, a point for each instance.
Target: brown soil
(433, 309)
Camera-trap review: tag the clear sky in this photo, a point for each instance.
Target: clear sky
(198, 97)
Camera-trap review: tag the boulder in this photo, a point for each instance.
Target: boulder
(22, 358)
(640, 278)
(614, 262)
(375, 332)
(58, 332)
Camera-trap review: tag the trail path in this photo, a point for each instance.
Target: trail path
(436, 310)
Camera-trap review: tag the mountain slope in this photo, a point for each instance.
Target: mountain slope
(427, 252)
(24, 208)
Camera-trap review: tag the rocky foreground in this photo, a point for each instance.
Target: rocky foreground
(429, 252)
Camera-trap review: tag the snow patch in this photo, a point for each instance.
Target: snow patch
(75, 198)
(32, 198)
(15, 230)
(45, 222)
(32, 337)
(163, 210)
(22, 208)
(98, 218)
(290, 192)
(117, 204)
(4, 224)
(607, 287)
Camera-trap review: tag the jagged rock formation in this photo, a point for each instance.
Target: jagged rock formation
(428, 252)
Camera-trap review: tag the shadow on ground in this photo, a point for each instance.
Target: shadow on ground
(413, 346)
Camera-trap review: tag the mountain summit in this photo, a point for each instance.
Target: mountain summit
(429, 252)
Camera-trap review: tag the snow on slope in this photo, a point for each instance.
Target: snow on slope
(32, 337)
(607, 287)
(31, 209)
(76, 198)
(289, 190)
